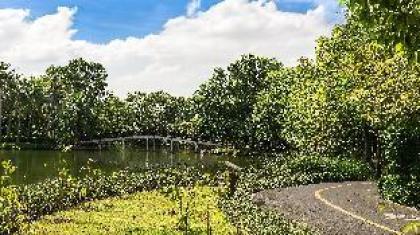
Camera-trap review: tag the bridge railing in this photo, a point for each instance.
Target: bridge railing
(166, 139)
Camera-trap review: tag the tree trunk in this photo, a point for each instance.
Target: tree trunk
(369, 148)
(366, 144)
(378, 153)
(379, 156)
(18, 131)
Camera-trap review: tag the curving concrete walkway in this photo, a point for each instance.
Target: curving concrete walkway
(339, 208)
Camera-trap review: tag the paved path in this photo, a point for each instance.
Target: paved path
(339, 208)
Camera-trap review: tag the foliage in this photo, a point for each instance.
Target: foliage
(114, 117)
(10, 206)
(290, 171)
(358, 98)
(151, 212)
(9, 146)
(75, 92)
(70, 104)
(401, 189)
(58, 107)
(156, 113)
(64, 192)
(30, 202)
(412, 228)
(10, 95)
(269, 112)
(57, 194)
(224, 104)
(394, 23)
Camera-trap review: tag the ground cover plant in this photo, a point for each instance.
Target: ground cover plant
(178, 211)
(66, 191)
(30, 202)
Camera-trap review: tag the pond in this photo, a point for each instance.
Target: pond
(35, 165)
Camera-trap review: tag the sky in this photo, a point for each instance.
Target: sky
(150, 45)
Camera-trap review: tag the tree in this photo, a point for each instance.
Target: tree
(393, 23)
(269, 111)
(76, 91)
(9, 98)
(115, 118)
(320, 117)
(353, 97)
(3, 76)
(155, 113)
(224, 104)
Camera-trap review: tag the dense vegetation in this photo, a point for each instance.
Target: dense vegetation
(184, 210)
(359, 98)
(28, 203)
(393, 23)
(70, 103)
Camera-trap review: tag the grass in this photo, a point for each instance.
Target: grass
(154, 212)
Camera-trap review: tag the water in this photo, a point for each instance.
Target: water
(36, 165)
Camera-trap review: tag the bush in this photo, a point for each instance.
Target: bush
(10, 207)
(329, 169)
(400, 189)
(30, 202)
(193, 210)
(66, 191)
(284, 172)
(400, 182)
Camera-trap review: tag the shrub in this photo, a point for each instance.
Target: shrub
(66, 191)
(284, 172)
(181, 210)
(30, 202)
(401, 189)
(10, 207)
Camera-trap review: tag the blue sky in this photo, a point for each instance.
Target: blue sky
(150, 45)
(101, 21)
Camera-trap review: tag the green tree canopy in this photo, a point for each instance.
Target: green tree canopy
(392, 22)
(224, 104)
(75, 92)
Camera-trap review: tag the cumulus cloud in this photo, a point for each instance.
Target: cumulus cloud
(334, 10)
(178, 58)
(192, 7)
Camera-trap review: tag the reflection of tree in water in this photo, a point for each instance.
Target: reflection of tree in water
(34, 166)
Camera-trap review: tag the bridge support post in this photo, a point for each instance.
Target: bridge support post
(196, 148)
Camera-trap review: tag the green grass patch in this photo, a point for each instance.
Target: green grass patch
(153, 212)
(412, 228)
(88, 205)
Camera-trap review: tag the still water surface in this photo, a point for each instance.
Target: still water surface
(35, 165)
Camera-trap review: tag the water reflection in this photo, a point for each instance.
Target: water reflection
(33, 166)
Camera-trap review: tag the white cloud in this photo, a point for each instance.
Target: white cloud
(192, 7)
(177, 59)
